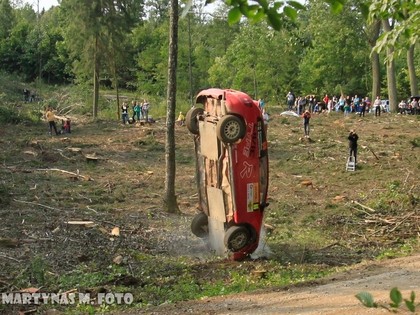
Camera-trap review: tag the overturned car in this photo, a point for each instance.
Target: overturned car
(232, 170)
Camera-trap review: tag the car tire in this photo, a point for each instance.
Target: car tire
(200, 225)
(237, 237)
(191, 119)
(230, 129)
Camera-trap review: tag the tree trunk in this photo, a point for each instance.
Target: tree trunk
(373, 34)
(170, 197)
(390, 72)
(95, 80)
(115, 83)
(414, 89)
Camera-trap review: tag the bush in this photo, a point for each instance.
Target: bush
(9, 116)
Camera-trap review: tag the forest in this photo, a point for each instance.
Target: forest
(124, 46)
(87, 212)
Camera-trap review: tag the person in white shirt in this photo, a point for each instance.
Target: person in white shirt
(377, 106)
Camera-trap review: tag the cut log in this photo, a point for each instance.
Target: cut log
(82, 223)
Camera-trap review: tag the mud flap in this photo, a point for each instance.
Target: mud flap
(217, 219)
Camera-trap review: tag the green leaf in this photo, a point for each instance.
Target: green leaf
(412, 296)
(364, 8)
(252, 11)
(336, 7)
(274, 19)
(234, 16)
(263, 3)
(290, 12)
(366, 299)
(260, 15)
(297, 5)
(410, 305)
(396, 297)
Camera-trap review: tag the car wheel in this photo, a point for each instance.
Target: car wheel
(191, 119)
(200, 225)
(237, 237)
(230, 129)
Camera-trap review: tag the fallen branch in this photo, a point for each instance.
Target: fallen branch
(363, 206)
(402, 221)
(372, 152)
(360, 210)
(11, 258)
(66, 172)
(36, 204)
(91, 209)
(61, 153)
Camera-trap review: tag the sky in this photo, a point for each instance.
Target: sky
(46, 4)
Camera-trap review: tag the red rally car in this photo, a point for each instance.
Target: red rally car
(232, 170)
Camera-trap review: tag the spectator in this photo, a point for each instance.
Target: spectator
(402, 107)
(362, 108)
(356, 102)
(301, 105)
(367, 100)
(26, 94)
(306, 117)
(415, 109)
(261, 104)
(290, 100)
(65, 125)
(330, 105)
(325, 100)
(377, 106)
(124, 112)
(49, 115)
(341, 103)
(311, 103)
(137, 110)
(133, 107)
(266, 118)
(347, 109)
(181, 119)
(145, 109)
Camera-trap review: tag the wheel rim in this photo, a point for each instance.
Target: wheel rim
(231, 130)
(238, 241)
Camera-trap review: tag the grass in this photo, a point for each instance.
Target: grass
(314, 230)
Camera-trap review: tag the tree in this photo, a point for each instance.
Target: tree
(170, 197)
(7, 19)
(337, 59)
(390, 71)
(372, 35)
(406, 28)
(95, 32)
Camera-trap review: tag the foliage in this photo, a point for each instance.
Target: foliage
(407, 15)
(272, 11)
(396, 301)
(55, 46)
(330, 66)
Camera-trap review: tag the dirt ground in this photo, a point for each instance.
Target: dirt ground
(45, 183)
(334, 295)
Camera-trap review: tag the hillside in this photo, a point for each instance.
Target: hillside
(83, 211)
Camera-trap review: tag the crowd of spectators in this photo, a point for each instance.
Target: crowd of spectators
(348, 104)
(410, 106)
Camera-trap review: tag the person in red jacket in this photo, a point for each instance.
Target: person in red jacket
(326, 99)
(306, 117)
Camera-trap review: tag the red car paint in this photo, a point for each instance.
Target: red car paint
(245, 161)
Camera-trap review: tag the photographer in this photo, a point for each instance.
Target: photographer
(353, 137)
